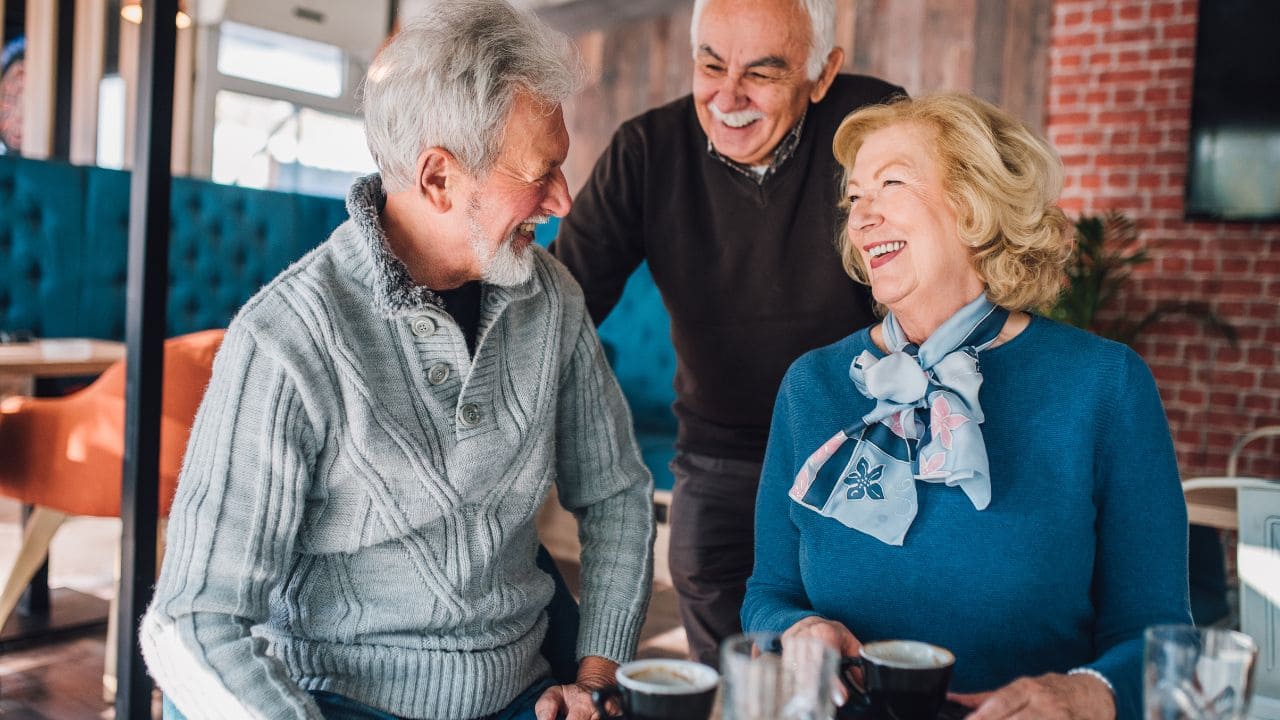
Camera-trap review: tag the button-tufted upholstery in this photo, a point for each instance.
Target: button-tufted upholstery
(41, 211)
(225, 243)
(64, 239)
(64, 267)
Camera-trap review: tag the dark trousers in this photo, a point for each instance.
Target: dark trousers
(712, 546)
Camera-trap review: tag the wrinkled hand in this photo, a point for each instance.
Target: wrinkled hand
(1047, 697)
(832, 634)
(573, 702)
(829, 632)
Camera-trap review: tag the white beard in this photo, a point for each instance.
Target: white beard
(503, 267)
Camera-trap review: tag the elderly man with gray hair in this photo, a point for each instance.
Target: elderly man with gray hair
(353, 534)
(730, 194)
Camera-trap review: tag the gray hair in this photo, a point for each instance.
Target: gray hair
(449, 79)
(822, 36)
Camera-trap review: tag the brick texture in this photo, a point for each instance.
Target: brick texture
(1119, 111)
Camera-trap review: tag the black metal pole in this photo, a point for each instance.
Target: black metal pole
(144, 333)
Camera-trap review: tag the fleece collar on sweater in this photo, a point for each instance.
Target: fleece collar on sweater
(395, 294)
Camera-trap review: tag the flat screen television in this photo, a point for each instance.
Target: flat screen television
(1233, 163)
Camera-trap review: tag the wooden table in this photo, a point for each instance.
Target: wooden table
(1212, 501)
(69, 611)
(1213, 507)
(59, 357)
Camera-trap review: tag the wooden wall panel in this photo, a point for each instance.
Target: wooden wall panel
(183, 93)
(679, 54)
(997, 49)
(38, 92)
(900, 47)
(948, 44)
(1026, 60)
(988, 49)
(630, 68)
(860, 44)
(90, 42)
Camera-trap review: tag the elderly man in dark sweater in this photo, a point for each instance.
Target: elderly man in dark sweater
(731, 194)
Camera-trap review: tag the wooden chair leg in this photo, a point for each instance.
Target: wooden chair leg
(109, 656)
(36, 537)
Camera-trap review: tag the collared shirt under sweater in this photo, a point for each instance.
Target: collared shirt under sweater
(748, 270)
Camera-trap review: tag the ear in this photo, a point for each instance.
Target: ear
(438, 175)
(834, 60)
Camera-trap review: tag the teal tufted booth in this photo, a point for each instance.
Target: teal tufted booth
(64, 241)
(63, 271)
(42, 207)
(225, 243)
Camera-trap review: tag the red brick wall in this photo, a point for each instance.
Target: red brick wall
(1119, 100)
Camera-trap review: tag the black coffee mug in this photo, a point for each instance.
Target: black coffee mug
(661, 689)
(901, 679)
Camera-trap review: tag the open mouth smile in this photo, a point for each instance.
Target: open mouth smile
(524, 234)
(735, 120)
(883, 252)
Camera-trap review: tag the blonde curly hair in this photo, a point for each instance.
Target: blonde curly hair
(1001, 180)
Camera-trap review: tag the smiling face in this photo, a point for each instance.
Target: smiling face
(904, 228)
(524, 188)
(749, 81)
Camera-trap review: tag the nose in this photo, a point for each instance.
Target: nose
(728, 94)
(864, 215)
(558, 201)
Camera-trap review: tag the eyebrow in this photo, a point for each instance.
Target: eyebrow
(776, 62)
(881, 170)
(547, 166)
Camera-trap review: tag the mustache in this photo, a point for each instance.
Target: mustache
(735, 119)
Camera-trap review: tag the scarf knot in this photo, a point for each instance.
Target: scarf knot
(896, 378)
(926, 425)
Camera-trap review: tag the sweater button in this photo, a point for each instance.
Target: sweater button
(423, 326)
(469, 415)
(438, 373)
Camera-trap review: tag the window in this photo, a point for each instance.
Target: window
(278, 59)
(277, 111)
(264, 143)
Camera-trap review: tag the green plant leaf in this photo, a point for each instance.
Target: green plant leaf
(1098, 272)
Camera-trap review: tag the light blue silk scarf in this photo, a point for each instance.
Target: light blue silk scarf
(925, 426)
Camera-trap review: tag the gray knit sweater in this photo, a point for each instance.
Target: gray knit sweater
(355, 511)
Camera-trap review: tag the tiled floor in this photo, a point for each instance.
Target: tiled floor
(63, 681)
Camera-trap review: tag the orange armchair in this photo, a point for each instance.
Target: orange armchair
(63, 455)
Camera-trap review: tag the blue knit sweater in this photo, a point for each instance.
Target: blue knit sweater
(1084, 543)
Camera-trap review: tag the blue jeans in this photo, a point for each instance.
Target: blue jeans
(337, 707)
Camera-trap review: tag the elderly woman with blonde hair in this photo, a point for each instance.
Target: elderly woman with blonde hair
(967, 473)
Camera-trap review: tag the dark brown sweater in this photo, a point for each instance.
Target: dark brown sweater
(748, 272)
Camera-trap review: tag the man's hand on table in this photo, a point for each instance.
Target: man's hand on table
(1047, 697)
(573, 702)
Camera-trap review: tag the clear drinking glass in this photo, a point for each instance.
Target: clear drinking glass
(764, 680)
(1194, 673)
